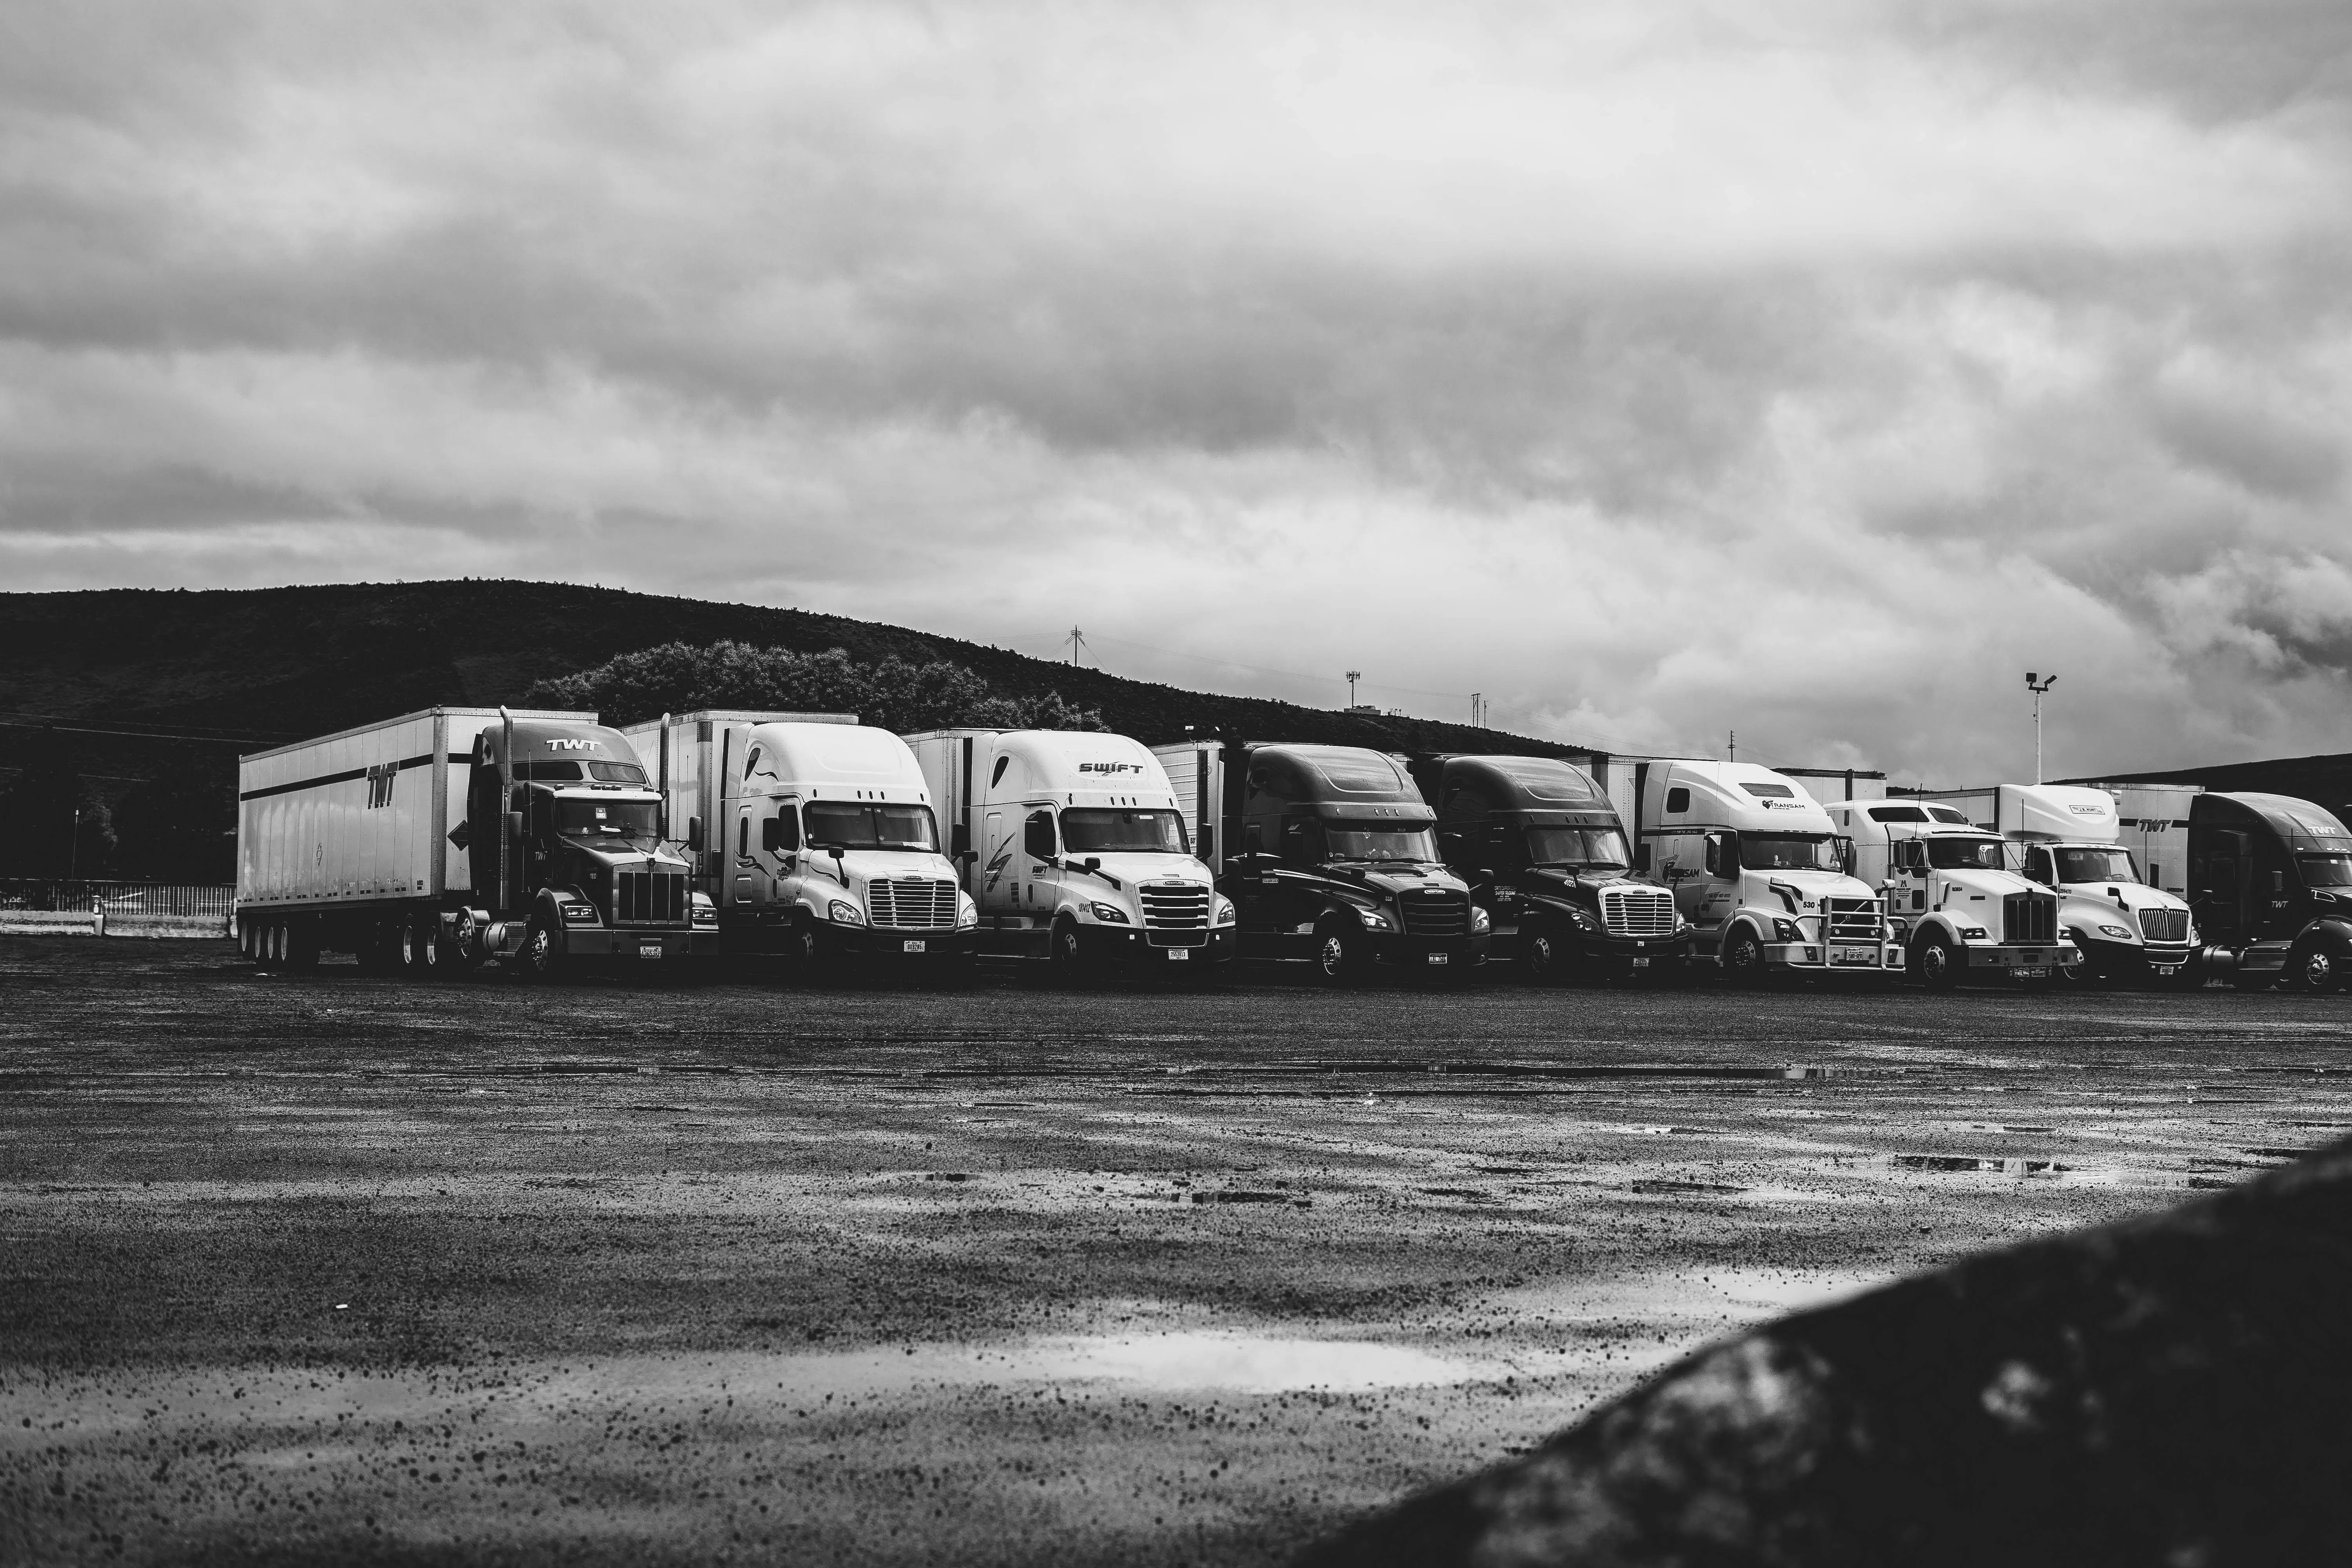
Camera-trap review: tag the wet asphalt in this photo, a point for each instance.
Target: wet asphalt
(333, 1268)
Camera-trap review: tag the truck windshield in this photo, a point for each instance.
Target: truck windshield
(1576, 847)
(2096, 866)
(630, 819)
(1361, 840)
(854, 826)
(2325, 871)
(1094, 830)
(1966, 854)
(1790, 852)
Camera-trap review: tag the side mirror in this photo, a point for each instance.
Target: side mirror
(959, 839)
(836, 851)
(1209, 843)
(694, 833)
(2278, 881)
(1094, 862)
(514, 825)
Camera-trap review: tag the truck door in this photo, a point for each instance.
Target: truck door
(1041, 884)
(996, 880)
(743, 886)
(2217, 882)
(775, 847)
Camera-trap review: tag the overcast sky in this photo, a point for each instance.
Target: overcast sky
(1812, 370)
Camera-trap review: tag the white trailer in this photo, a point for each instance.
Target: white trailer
(452, 835)
(1077, 848)
(813, 836)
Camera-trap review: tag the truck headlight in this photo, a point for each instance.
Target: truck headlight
(1585, 919)
(967, 912)
(1975, 934)
(578, 914)
(2115, 931)
(704, 912)
(1784, 929)
(1109, 914)
(1224, 915)
(1480, 920)
(841, 912)
(1374, 920)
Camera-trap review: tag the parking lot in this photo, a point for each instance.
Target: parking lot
(330, 1267)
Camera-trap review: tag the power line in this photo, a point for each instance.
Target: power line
(141, 733)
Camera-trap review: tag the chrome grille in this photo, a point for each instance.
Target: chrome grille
(1436, 912)
(1850, 920)
(912, 903)
(2164, 925)
(655, 897)
(2029, 917)
(1175, 906)
(1638, 911)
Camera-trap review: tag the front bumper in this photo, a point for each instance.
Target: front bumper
(1430, 952)
(891, 944)
(1837, 958)
(1145, 948)
(624, 943)
(2128, 959)
(1631, 956)
(2005, 957)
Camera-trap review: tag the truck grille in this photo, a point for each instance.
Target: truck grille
(1638, 911)
(1850, 920)
(2164, 925)
(654, 897)
(1180, 906)
(1434, 911)
(912, 903)
(2029, 917)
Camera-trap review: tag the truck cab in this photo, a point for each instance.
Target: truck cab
(565, 833)
(2269, 879)
(1760, 871)
(1546, 857)
(1331, 858)
(2068, 840)
(1953, 899)
(1072, 843)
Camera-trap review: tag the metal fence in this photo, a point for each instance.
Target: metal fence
(119, 901)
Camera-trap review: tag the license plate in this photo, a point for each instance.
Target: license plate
(648, 950)
(1854, 954)
(1180, 955)
(2166, 968)
(1641, 964)
(2037, 973)
(915, 945)
(1437, 958)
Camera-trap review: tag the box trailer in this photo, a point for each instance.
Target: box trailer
(812, 836)
(451, 836)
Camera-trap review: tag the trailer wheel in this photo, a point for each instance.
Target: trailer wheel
(1341, 955)
(427, 937)
(1541, 960)
(541, 957)
(1743, 958)
(1936, 965)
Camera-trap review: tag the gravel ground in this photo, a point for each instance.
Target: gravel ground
(299, 1270)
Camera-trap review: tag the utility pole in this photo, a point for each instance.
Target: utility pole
(1477, 711)
(1735, 747)
(73, 849)
(1077, 640)
(1353, 677)
(2038, 685)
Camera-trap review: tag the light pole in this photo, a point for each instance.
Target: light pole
(2038, 685)
(1353, 677)
(73, 849)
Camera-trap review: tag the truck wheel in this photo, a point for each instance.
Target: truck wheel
(2082, 971)
(1341, 955)
(1935, 963)
(1743, 958)
(542, 956)
(2315, 969)
(1542, 961)
(1067, 955)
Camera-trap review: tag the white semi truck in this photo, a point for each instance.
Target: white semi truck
(1958, 907)
(2069, 839)
(812, 836)
(1760, 871)
(1074, 847)
(447, 838)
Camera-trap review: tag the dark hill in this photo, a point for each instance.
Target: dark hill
(212, 673)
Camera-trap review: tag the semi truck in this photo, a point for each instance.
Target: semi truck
(1073, 846)
(2069, 839)
(444, 839)
(1328, 855)
(1546, 857)
(1956, 904)
(2269, 879)
(814, 837)
(1761, 873)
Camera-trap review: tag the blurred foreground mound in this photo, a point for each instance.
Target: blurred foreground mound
(2174, 1391)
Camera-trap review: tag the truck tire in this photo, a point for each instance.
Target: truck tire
(413, 949)
(1543, 958)
(1934, 963)
(1743, 958)
(1067, 954)
(1343, 954)
(2314, 969)
(541, 956)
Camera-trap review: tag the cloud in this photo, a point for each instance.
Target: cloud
(1655, 370)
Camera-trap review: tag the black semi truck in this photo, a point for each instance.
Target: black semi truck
(1328, 855)
(1544, 856)
(2270, 885)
